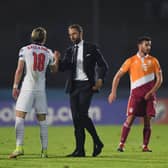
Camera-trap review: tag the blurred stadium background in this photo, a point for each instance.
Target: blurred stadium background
(113, 25)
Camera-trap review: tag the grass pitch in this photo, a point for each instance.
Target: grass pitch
(61, 143)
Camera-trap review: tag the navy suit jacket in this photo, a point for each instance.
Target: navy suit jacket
(94, 64)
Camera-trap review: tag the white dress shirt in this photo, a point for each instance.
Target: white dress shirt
(80, 74)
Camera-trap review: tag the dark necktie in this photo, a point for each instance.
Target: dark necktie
(74, 55)
(74, 60)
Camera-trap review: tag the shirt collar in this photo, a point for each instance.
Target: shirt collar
(140, 56)
(80, 44)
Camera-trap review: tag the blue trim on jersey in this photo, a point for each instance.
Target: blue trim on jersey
(21, 55)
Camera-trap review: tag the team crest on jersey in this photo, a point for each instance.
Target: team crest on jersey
(144, 67)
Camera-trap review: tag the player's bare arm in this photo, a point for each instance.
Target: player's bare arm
(18, 75)
(159, 80)
(115, 83)
(54, 67)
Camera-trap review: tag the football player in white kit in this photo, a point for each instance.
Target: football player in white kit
(35, 58)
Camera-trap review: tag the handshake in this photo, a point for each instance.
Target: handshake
(57, 56)
(54, 67)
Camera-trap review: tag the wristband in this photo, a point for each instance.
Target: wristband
(15, 86)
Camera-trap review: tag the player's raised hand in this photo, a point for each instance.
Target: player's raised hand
(54, 67)
(111, 97)
(57, 55)
(15, 93)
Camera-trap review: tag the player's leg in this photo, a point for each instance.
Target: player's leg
(146, 133)
(43, 134)
(41, 110)
(150, 112)
(19, 127)
(125, 131)
(23, 105)
(131, 111)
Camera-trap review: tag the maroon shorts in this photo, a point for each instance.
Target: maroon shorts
(138, 106)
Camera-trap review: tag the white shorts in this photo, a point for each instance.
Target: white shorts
(28, 100)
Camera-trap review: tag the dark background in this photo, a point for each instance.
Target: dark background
(113, 25)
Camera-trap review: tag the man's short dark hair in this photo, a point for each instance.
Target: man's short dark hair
(77, 27)
(38, 35)
(143, 38)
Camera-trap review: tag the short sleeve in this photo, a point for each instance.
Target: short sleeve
(157, 67)
(125, 66)
(51, 57)
(22, 54)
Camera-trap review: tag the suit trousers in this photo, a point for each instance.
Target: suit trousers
(80, 100)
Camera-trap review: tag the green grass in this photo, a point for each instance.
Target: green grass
(61, 142)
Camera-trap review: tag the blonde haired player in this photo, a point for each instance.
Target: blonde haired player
(145, 77)
(35, 58)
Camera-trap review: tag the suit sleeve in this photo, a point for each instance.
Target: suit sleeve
(101, 63)
(65, 63)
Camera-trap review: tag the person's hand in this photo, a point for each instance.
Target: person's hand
(111, 98)
(57, 56)
(148, 95)
(97, 85)
(15, 93)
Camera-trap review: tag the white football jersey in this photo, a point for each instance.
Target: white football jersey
(36, 58)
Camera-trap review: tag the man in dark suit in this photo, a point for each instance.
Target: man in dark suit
(84, 79)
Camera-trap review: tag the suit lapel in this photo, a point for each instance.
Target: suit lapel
(84, 51)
